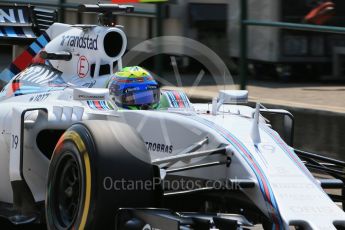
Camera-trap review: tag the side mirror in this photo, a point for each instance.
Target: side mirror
(286, 119)
(229, 97)
(233, 96)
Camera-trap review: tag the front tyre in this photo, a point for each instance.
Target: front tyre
(87, 161)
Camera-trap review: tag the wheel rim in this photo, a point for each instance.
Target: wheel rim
(67, 191)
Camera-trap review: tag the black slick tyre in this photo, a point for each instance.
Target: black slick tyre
(91, 176)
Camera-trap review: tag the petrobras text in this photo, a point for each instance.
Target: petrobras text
(84, 42)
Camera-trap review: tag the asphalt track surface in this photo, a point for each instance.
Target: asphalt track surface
(5, 225)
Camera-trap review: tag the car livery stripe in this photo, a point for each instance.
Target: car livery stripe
(91, 105)
(35, 47)
(43, 39)
(6, 75)
(105, 105)
(263, 181)
(99, 105)
(172, 99)
(24, 60)
(10, 32)
(110, 105)
(19, 31)
(16, 32)
(17, 89)
(290, 153)
(185, 100)
(28, 32)
(178, 99)
(172, 103)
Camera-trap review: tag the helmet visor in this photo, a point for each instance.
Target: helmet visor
(138, 97)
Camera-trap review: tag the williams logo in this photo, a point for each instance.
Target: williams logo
(162, 148)
(84, 42)
(8, 15)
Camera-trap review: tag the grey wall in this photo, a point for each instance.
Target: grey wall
(262, 41)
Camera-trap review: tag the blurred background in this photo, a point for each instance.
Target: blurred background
(274, 53)
(289, 54)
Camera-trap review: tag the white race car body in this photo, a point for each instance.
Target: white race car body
(284, 190)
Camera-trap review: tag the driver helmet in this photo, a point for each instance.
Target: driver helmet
(134, 88)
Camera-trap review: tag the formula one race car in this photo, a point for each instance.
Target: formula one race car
(71, 158)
